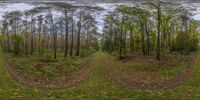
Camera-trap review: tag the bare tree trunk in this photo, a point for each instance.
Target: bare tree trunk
(72, 38)
(15, 35)
(7, 41)
(66, 34)
(158, 28)
(32, 34)
(125, 42)
(44, 39)
(120, 44)
(148, 38)
(111, 40)
(26, 40)
(142, 38)
(54, 36)
(78, 34)
(131, 40)
(87, 36)
(40, 30)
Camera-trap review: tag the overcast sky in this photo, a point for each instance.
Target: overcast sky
(99, 16)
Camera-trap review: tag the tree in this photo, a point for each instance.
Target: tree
(54, 34)
(31, 13)
(14, 18)
(79, 25)
(72, 36)
(40, 20)
(64, 7)
(5, 43)
(90, 30)
(158, 29)
(109, 27)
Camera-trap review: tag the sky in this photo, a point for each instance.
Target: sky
(99, 15)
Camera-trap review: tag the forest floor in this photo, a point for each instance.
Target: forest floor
(98, 86)
(146, 73)
(40, 72)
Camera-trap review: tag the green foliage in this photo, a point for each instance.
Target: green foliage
(1, 37)
(191, 41)
(1, 40)
(51, 72)
(194, 42)
(177, 33)
(88, 51)
(137, 41)
(18, 42)
(171, 73)
(26, 35)
(95, 45)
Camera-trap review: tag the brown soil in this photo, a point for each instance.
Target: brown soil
(29, 81)
(125, 82)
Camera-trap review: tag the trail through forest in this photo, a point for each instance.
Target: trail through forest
(108, 65)
(30, 81)
(169, 84)
(97, 86)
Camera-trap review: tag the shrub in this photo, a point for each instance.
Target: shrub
(87, 52)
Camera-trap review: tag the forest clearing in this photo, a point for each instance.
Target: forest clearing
(99, 51)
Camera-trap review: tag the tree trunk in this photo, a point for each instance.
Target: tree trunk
(15, 35)
(148, 39)
(40, 30)
(78, 35)
(124, 42)
(66, 34)
(111, 40)
(131, 40)
(120, 44)
(72, 38)
(32, 35)
(7, 41)
(54, 36)
(26, 40)
(158, 29)
(142, 38)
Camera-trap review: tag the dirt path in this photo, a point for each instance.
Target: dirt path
(84, 73)
(28, 81)
(169, 84)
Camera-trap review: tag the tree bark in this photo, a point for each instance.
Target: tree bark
(78, 34)
(158, 29)
(148, 39)
(142, 38)
(66, 34)
(72, 38)
(54, 36)
(32, 34)
(131, 40)
(40, 30)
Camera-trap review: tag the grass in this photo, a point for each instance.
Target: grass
(167, 74)
(183, 63)
(42, 67)
(147, 69)
(97, 87)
